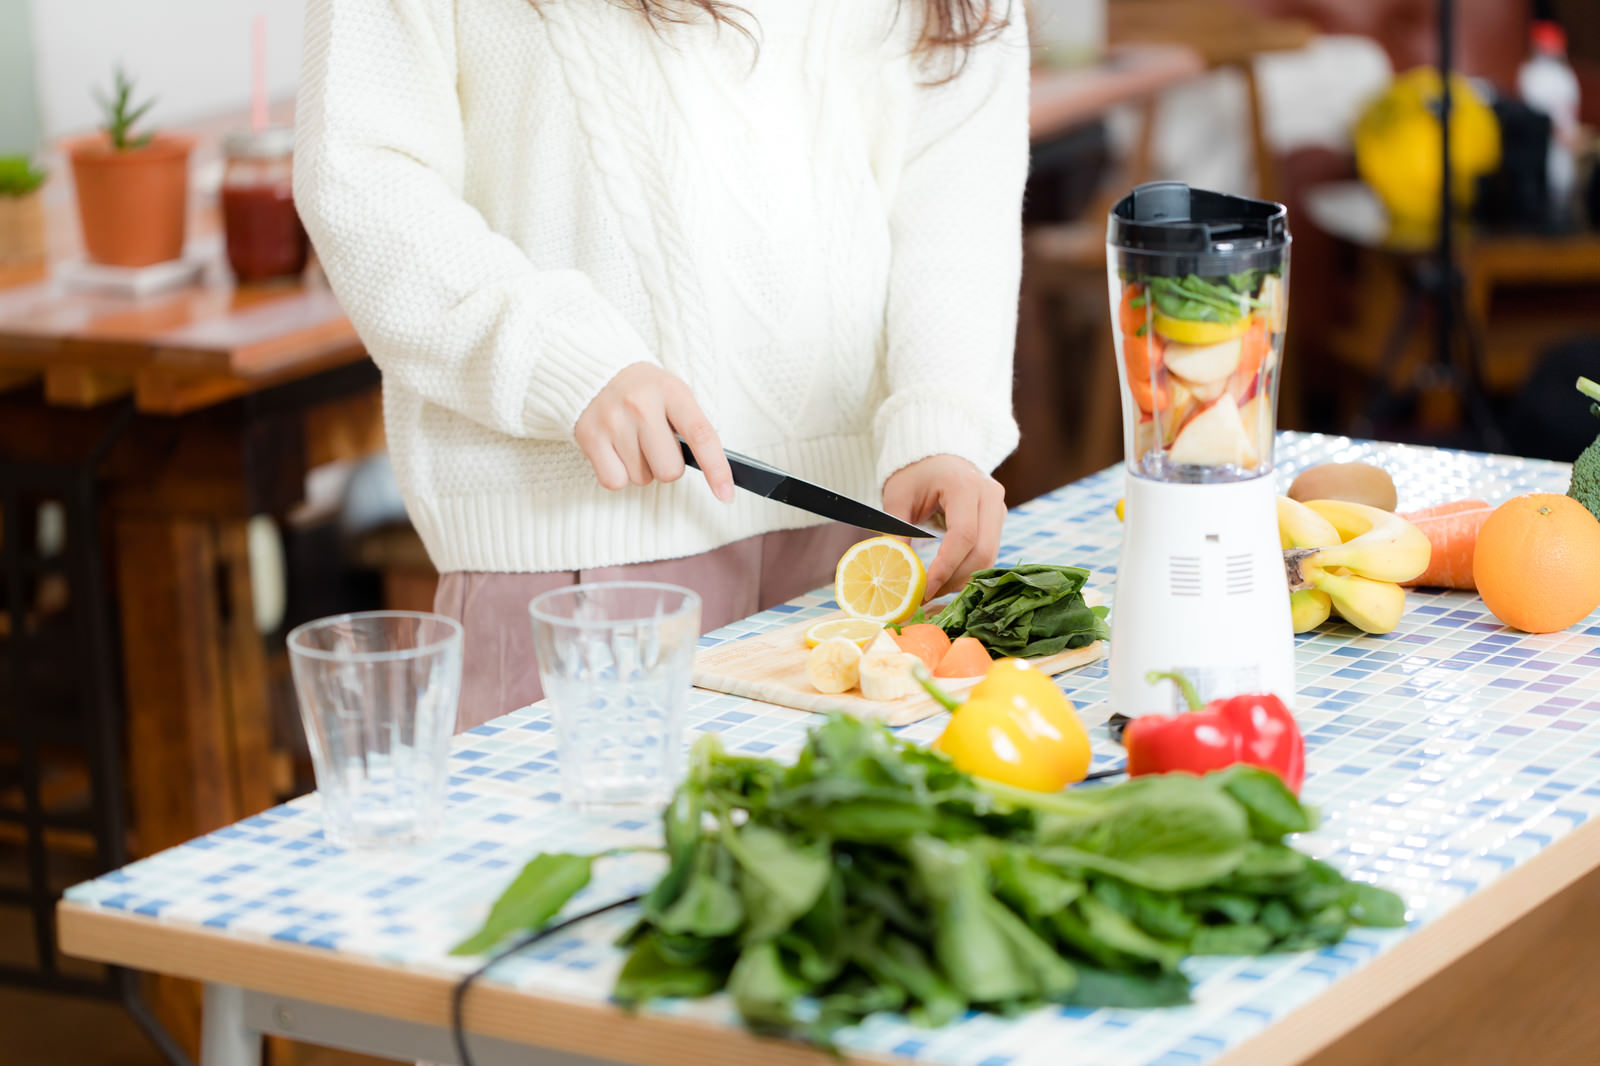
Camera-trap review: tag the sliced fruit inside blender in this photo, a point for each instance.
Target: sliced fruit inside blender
(1199, 353)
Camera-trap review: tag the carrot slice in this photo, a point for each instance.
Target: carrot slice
(1253, 350)
(1454, 536)
(1134, 312)
(966, 658)
(926, 641)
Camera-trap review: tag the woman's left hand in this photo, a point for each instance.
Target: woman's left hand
(974, 508)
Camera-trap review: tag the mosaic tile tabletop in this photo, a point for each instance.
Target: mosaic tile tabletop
(1442, 756)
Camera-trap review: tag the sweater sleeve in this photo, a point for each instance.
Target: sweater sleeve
(955, 228)
(447, 307)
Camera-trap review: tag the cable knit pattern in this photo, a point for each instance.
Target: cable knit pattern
(514, 199)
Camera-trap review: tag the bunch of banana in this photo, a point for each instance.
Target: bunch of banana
(1349, 558)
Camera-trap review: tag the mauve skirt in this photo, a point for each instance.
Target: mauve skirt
(499, 673)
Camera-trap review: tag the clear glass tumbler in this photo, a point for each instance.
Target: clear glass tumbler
(616, 660)
(378, 693)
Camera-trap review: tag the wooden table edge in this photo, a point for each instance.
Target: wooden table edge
(392, 991)
(396, 992)
(1352, 1001)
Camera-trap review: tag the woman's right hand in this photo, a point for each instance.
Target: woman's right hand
(629, 432)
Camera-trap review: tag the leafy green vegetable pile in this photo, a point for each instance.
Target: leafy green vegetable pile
(1226, 299)
(1025, 611)
(872, 875)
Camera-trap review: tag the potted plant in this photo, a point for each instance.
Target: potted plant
(133, 189)
(21, 212)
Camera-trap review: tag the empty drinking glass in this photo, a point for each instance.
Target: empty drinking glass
(378, 695)
(616, 660)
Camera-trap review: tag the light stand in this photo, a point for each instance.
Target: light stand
(1442, 280)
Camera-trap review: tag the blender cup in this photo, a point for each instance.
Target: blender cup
(1199, 301)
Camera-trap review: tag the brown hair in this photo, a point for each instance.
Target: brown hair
(953, 25)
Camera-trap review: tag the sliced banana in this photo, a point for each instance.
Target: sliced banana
(834, 665)
(887, 675)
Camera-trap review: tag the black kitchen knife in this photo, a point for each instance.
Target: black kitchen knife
(753, 475)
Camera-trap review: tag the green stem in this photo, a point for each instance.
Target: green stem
(1016, 798)
(943, 698)
(1185, 686)
(1589, 388)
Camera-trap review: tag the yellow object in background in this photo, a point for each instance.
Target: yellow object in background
(1398, 151)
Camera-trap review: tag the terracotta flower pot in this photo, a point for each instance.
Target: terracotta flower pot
(133, 204)
(22, 241)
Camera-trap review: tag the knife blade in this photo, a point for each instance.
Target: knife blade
(753, 475)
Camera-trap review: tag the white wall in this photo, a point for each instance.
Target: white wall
(192, 55)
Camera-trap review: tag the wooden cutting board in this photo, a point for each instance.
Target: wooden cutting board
(772, 667)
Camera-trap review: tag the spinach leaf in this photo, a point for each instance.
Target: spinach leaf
(539, 891)
(1371, 905)
(1113, 929)
(1025, 611)
(780, 877)
(651, 974)
(1274, 810)
(710, 905)
(990, 955)
(1197, 299)
(1136, 988)
(763, 988)
(1230, 940)
(1168, 832)
(894, 960)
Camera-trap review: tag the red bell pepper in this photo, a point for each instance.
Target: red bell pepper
(1256, 729)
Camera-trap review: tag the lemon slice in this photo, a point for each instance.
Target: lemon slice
(858, 630)
(879, 580)
(1189, 331)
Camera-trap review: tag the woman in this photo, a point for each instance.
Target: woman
(568, 229)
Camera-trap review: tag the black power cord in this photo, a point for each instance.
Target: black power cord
(458, 998)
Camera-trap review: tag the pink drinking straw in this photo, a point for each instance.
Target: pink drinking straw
(258, 79)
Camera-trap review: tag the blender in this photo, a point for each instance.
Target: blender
(1199, 300)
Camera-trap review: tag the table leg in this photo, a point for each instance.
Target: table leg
(197, 715)
(227, 1039)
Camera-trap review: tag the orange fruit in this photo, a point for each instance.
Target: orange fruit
(1537, 563)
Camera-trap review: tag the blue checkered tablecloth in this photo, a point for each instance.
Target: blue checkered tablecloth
(1442, 756)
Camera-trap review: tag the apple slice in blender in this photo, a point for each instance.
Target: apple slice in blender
(1181, 403)
(1215, 437)
(1254, 430)
(1204, 363)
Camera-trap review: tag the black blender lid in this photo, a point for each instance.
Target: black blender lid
(1170, 217)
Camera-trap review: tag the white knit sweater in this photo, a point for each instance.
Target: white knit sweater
(514, 199)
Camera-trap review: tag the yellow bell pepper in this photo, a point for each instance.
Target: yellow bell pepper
(1016, 727)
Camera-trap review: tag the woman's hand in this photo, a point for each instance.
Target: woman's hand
(628, 432)
(974, 507)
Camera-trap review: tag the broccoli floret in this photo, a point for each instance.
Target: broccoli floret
(1585, 486)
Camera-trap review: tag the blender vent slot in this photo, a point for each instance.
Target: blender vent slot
(1240, 575)
(1184, 573)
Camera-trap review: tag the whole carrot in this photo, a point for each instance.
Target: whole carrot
(1452, 530)
(1439, 510)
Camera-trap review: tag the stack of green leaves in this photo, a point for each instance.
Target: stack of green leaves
(1025, 611)
(1225, 299)
(871, 875)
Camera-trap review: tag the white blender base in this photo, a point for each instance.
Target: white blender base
(1200, 589)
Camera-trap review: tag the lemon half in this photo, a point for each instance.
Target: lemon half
(880, 580)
